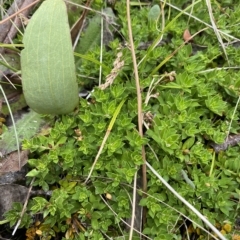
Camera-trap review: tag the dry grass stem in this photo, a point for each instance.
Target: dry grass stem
(117, 66)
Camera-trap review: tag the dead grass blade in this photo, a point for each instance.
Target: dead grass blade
(183, 200)
(14, 127)
(21, 10)
(105, 138)
(146, 237)
(140, 120)
(77, 27)
(24, 207)
(215, 29)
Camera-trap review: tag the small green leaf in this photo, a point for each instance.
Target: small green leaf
(185, 80)
(154, 13)
(95, 224)
(117, 91)
(188, 143)
(39, 204)
(216, 104)
(33, 173)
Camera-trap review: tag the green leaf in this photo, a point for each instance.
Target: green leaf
(92, 34)
(26, 127)
(48, 70)
(39, 204)
(216, 104)
(33, 173)
(185, 80)
(167, 138)
(117, 91)
(188, 143)
(94, 224)
(154, 13)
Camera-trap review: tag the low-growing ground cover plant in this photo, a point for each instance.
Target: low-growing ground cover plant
(189, 88)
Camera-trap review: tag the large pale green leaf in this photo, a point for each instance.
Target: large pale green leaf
(47, 61)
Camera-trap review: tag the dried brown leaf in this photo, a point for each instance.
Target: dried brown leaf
(187, 36)
(10, 162)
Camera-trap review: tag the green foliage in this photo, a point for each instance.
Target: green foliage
(14, 214)
(189, 111)
(65, 159)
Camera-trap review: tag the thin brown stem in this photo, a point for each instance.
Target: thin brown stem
(16, 13)
(79, 24)
(140, 114)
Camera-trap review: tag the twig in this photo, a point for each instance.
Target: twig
(11, 27)
(77, 27)
(16, 13)
(24, 207)
(140, 117)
